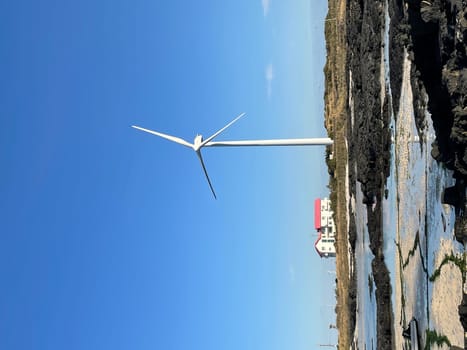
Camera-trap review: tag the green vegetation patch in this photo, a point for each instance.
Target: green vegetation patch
(411, 253)
(457, 260)
(432, 337)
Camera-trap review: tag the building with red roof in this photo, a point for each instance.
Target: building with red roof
(324, 225)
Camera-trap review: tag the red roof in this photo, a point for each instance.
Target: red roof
(317, 213)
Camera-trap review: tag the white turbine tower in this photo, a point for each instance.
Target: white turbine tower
(199, 143)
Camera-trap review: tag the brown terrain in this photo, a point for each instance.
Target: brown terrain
(336, 111)
(433, 33)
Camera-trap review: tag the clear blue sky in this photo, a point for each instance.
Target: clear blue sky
(110, 237)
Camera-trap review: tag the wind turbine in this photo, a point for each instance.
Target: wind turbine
(199, 143)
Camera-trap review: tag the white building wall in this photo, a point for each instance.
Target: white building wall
(328, 229)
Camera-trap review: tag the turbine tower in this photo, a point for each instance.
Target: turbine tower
(199, 143)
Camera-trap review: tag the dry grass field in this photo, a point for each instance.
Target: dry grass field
(336, 112)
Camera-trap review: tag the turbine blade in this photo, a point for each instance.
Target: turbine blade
(206, 173)
(210, 138)
(167, 137)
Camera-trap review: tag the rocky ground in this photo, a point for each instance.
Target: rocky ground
(434, 33)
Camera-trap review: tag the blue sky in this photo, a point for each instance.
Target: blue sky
(110, 237)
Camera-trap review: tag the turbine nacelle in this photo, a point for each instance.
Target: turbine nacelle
(198, 142)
